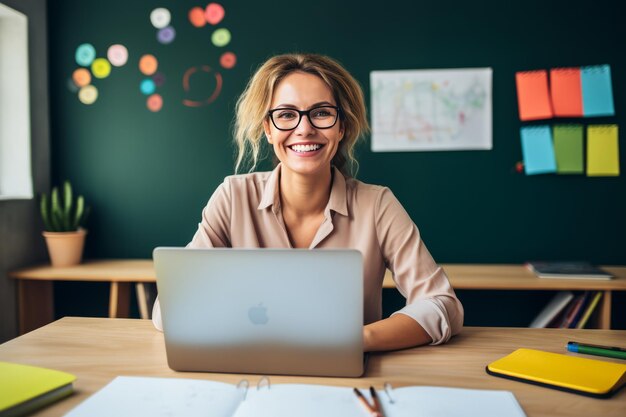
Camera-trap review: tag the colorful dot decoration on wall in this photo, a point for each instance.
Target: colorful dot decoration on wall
(118, 55)
(211, 16)
(196, 17)
(148, 66)
(161, 19)
(92, 68)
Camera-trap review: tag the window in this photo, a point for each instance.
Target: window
(15, 159)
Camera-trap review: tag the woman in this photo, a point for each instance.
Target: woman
(311, 111)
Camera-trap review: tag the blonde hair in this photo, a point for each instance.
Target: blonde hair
(254, 103)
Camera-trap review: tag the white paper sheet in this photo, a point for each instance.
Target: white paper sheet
(160, 397)
(173, 397)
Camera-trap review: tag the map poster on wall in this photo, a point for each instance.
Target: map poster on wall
(431, 110)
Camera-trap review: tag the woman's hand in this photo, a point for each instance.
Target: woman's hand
(396, 332)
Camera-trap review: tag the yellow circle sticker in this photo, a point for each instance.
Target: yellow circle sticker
(88, 94)
(101, 68)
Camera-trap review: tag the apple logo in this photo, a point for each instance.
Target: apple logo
(258, 314)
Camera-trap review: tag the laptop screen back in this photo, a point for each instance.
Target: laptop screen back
(262, 311)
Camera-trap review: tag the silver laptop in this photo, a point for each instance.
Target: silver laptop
(262, 311)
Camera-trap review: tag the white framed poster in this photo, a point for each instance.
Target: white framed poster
(431, 110)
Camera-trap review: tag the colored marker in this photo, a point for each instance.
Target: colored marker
(608, 351)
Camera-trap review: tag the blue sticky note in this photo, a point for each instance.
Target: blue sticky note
(597, 91)
(538, 150)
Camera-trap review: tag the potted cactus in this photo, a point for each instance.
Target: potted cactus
(64, 218)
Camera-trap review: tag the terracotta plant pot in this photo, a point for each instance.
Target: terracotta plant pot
(65, 248)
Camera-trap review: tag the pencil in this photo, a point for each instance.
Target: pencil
(366, 404)
(379, 409)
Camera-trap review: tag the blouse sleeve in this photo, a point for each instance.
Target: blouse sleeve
(431, 301)
(213, 232)
(214, 227)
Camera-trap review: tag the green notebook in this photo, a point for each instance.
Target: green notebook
(24, 388)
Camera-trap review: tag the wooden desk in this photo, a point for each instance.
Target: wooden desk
(97, 350)
(36, 297)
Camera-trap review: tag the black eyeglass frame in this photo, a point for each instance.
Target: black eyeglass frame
(304, 113)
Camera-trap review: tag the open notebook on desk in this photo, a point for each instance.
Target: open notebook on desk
(156, 397)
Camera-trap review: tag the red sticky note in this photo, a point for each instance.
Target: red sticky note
(533, 98)
(566, 92)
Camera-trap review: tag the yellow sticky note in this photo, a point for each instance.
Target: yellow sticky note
(602, 151)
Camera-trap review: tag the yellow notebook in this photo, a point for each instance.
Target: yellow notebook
(24, 388)
(595, 378)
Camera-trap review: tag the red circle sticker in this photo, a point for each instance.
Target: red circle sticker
(214, 13)
(154, 102)
(228, 60)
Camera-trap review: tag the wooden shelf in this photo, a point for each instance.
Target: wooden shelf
(36, 294)
(517, 277)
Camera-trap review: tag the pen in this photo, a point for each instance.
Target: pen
(374, 411)
(607, 351)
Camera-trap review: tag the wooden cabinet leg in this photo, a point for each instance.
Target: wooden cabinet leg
(119, 300)
(142, 300)
(35, 304)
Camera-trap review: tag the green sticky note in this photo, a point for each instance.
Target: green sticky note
(568, 148)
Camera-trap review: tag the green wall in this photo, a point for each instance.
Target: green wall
(148, 175)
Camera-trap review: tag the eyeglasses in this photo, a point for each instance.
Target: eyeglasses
(322, 117)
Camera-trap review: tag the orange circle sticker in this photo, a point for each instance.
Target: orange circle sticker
(148, 64)
(154, 102)
(228, 60)
(196, 17)
(81, 77)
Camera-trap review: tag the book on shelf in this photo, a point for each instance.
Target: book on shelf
(594, 299)
(25, 388)
(128, 396)
(574, 314)
(552, 309)
(560, 320)
(567, 270)
(568, 310)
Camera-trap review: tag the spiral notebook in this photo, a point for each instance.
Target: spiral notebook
(159, 397)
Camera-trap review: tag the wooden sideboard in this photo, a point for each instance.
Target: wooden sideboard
(36, 304)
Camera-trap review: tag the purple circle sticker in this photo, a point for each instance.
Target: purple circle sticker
(159, 79)
(166, 35)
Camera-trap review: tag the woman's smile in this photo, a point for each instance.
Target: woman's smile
(306, 149)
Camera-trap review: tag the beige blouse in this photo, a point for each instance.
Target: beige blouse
(245, 212)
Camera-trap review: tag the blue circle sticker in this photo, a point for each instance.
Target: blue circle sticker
(166, 35)
(85, 54)
(147, 87)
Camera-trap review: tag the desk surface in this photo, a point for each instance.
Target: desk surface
(97, 350)
(462, 276)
